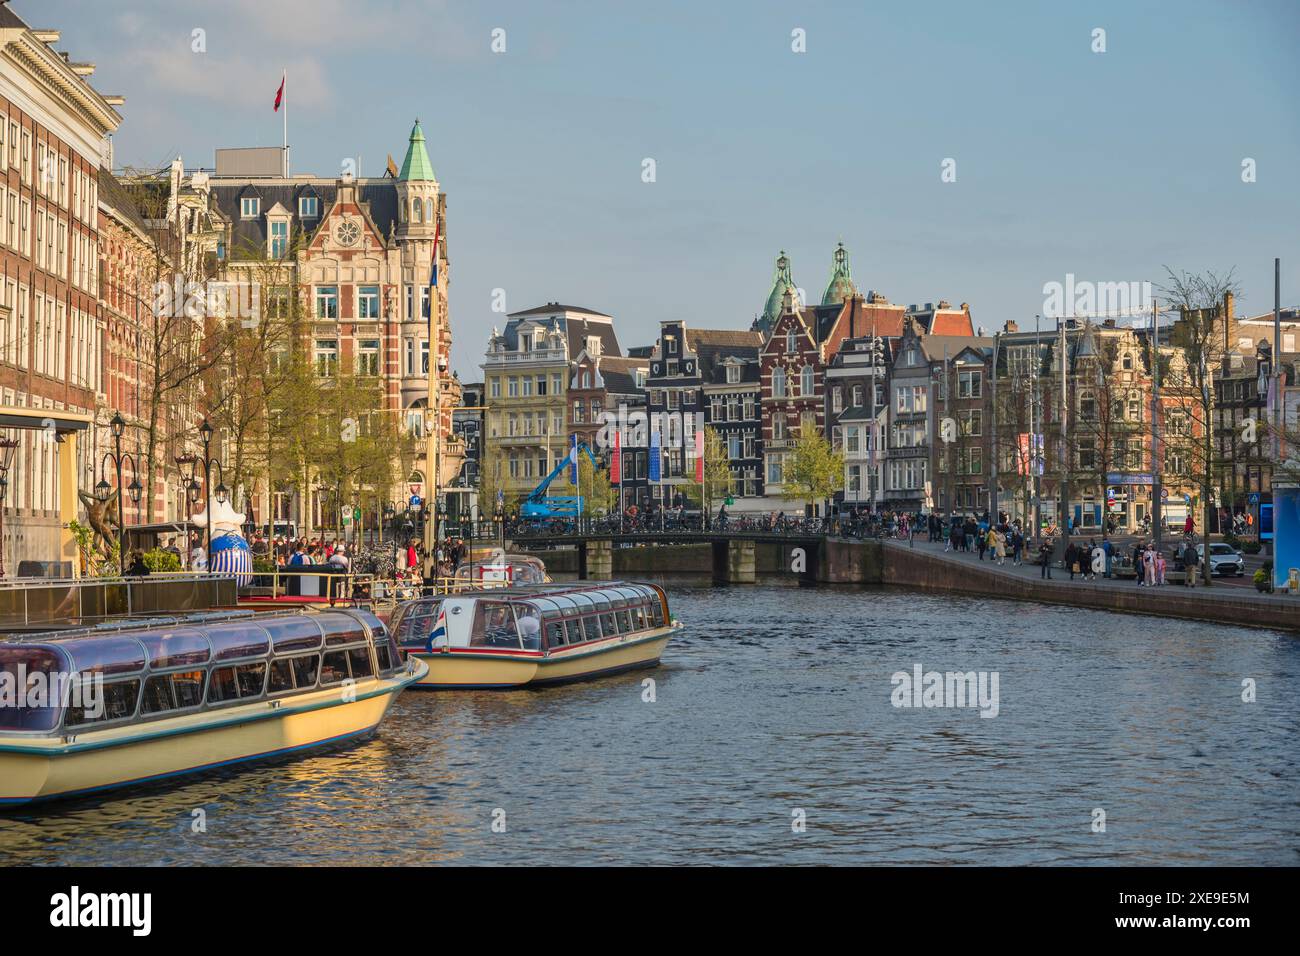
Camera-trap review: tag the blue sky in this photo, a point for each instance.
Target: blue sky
(1105, 165)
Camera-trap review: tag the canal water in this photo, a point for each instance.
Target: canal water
(769, 736)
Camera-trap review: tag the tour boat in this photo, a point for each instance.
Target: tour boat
(92, 709)
(534, 636)
(498, 569)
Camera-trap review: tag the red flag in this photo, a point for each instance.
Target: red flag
(279, 94)
(699, 455)
(616, 462)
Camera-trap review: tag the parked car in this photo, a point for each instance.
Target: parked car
(1223, 559)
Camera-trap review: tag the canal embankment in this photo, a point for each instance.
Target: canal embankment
(917, 566)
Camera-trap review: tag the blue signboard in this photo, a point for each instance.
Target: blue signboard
(1286, 533)
(654, 455)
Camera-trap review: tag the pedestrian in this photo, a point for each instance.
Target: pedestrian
(1191, 565)
(1137, 562)
(1072, 559)
(983, 542)
(1045, 559)
(999, 547)
(1149, 566)
(1160, 567)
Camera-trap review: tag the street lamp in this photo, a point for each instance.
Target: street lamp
(500, 518)
(7, 446)
(117, 426)
(208, 462)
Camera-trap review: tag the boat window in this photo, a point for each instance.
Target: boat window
(236, 683)
(334, 670)
(590, 628)
(163, 692)
(656, 609)
(281, 676)
(567, 607)
(106, 655)
(117, 702)
(305, 670)
(359, 657)
(528, 619)
(583, 602)
(625, 622)
(494, 626)
(291, 634)
(235, 640)
(639, 617)
(341, 629)
(29, 669)
(386, 655)
(601, 600)
(413, 628)
(608, 625)
(176, 648)
(555, 632)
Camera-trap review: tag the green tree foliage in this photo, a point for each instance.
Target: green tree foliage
(814, 471)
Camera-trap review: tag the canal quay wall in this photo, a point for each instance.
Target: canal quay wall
(898, 564)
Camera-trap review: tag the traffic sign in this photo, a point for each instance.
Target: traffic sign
(1164, 493)
(1254, 499)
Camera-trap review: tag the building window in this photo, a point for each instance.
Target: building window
(327, 302)
(327, 357)
(368, 357)
(368, 302)
(279, 239)
(778, 382)
(733, 374)
(971, 422)
(249, 207)
(308, 207)
(969, 384)
(806, 381)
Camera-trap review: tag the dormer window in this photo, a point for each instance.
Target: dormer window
(279, 238)
(733, 374)
(790, 343)
(671, 343)
(250, 207)
(308, 207)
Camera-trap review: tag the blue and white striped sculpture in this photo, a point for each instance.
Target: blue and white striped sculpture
(229, 553)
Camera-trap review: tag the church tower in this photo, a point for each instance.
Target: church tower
(417, 191)
(841, 286)
(781, 283)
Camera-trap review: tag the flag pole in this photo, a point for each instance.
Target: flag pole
(285, 82)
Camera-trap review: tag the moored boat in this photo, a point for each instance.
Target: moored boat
(534, 636)
(498, 569)
(94, 709)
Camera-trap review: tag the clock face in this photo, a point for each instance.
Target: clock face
(347, 232)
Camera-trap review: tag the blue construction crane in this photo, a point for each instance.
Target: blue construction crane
(539, 505)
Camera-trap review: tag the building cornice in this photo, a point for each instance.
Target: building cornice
(51, 72)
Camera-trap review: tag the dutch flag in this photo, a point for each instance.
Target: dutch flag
(439, 631)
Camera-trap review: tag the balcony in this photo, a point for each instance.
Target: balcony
(538, 356)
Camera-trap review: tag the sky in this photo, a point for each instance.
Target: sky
(1106, 165)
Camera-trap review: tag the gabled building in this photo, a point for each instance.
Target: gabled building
(370, 257)
(680, 366)
(527, 370)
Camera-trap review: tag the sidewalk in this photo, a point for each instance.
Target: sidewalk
(1230, 603)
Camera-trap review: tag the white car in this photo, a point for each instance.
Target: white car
(1223, 559)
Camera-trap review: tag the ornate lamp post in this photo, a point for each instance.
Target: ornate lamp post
(221, 493)
(118, 427)
(7, 446)
(500, 518)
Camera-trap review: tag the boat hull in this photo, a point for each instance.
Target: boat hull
(485, 669)
(48, 768)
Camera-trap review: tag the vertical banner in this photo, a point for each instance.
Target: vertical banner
(573, 459)
(616, 463)
(699, 455)
(654, 455)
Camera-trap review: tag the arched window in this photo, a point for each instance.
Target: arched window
(417, 211)
(778, 382)
(790, 343)
(401, 212)
(806, 381)
(428, 210)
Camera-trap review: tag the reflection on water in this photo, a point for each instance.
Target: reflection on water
(775, 700)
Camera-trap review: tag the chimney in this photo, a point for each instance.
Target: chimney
(1108, 324)
(1010, 325)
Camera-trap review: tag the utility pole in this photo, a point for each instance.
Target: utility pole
(1035, 425)
(993, 425)
(1064, 517)
(1157, 521)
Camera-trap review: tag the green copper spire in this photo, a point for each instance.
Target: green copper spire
(416, 166)
(781, 282)
(841, 286)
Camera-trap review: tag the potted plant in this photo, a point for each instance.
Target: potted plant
(1264, 578)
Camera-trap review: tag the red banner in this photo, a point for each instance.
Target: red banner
(616, 463)
(699, 455)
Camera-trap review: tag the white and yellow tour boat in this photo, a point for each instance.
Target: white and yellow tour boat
(534, 636)
(149, 701)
